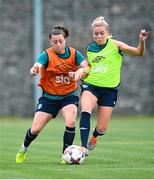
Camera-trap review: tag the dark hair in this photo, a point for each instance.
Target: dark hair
(59, 30)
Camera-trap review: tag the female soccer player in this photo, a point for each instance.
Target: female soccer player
(101, 85)
(59, 89)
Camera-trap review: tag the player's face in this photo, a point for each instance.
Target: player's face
(100, 34)
(58, 43)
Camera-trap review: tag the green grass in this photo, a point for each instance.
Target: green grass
(125, 152)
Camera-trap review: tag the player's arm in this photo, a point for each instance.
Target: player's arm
(42, 62)
(136, 51)
(83, 71)
(83, 67)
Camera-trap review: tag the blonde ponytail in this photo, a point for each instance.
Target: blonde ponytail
(100, 21)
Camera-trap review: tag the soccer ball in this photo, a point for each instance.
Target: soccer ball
(73, 155)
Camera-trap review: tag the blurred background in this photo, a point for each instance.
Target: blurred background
(24, 29)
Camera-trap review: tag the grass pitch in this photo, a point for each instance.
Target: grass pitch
(125, 152)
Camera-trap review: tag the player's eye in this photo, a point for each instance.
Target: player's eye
(54, 42)
(60, 41)
(102, 33)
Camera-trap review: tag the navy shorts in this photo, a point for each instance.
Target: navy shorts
(53, 106)
(105, 96)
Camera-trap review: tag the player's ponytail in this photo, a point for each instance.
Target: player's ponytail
(100, 21)
(57, 30)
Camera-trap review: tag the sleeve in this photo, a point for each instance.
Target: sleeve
(43, 59)
(79, 57)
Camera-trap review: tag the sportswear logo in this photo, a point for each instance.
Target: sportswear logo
(39, 106)
(84, 85)
(98, 58)
(64, 67)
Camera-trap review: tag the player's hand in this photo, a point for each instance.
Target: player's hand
(35, 69)
(71, 74)
(143, 35)
(76, 75)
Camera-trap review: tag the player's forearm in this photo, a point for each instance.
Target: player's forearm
(85, 73)
(86, 69)
(141, 48)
